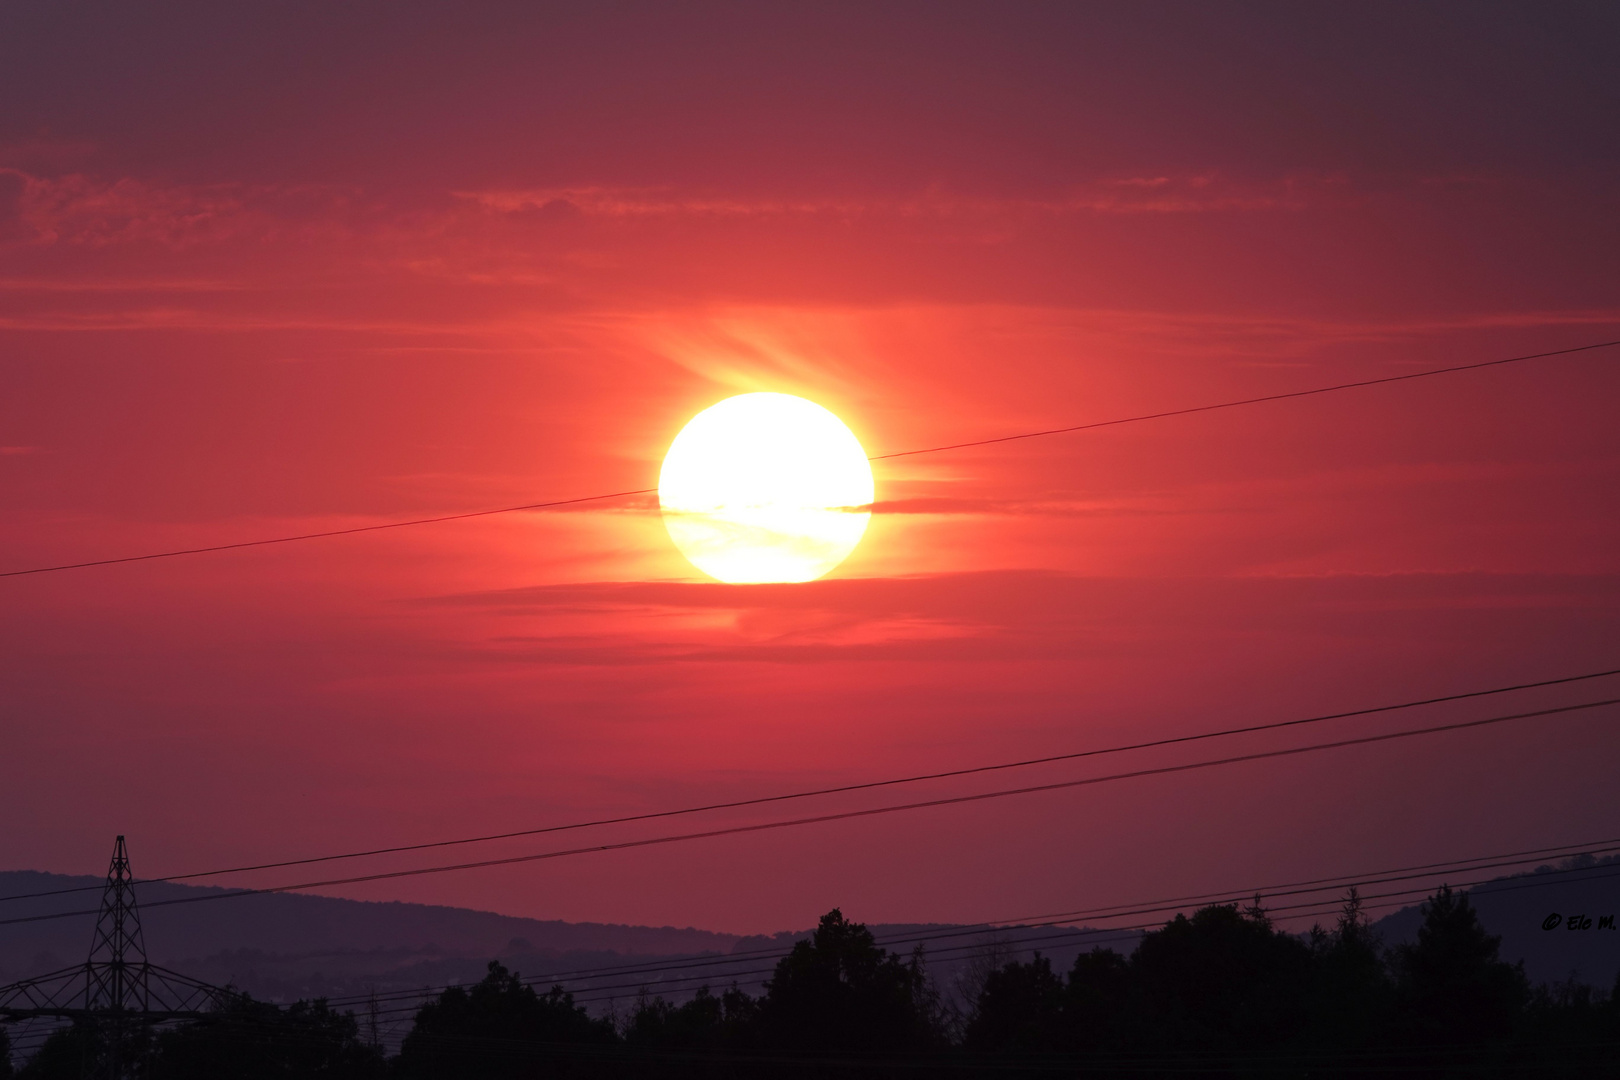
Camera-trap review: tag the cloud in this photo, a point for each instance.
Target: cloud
(79, 209)
(1122, 195)
(998, 597)
(943, 505)
(981, 616)
(118, 285)
(89, 211)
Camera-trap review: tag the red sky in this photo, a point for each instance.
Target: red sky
(289, 268)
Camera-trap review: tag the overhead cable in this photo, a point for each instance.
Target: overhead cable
(556, 503)
(845, 788)
(849, 815)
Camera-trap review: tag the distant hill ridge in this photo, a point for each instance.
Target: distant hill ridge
(302, 925)
(1518, 908)
(286, 946)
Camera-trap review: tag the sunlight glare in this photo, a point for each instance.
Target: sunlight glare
(765, 487)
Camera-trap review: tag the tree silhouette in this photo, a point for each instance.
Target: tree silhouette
(1216, 990)
(253, 1040)
(1352, 995)
(704, 1023)
(1098, 996)
(1452, 984)
(82, 1049)
(1020, 1008)
(840, 993)
(502, 1028)
(1220, 978)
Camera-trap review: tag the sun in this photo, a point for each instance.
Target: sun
(765, 487)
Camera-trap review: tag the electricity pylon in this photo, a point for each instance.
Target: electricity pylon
(118, 990)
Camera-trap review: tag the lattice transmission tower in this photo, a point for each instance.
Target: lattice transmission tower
(117, 990)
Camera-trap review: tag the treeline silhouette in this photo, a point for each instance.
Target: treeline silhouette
(1223, 992)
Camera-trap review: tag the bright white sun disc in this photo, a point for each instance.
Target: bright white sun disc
(765, 487)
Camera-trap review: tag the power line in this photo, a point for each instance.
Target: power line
(849, 815)
(681, 970)
(1248, 401)
(1481, 862)
(1079, 936)
(323, 535)
(593, 994)
(1274, 890)
(876, 457)
(1338, 881)
(1234, 895)
(1396, 898)
(1229, 896)
(1083, 936)
(845, 788)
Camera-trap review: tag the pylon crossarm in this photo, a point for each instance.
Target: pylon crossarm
(151, 993)
(186, 980)
(179, 991)
(53, 990)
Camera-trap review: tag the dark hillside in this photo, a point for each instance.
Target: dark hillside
(1517, 907)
